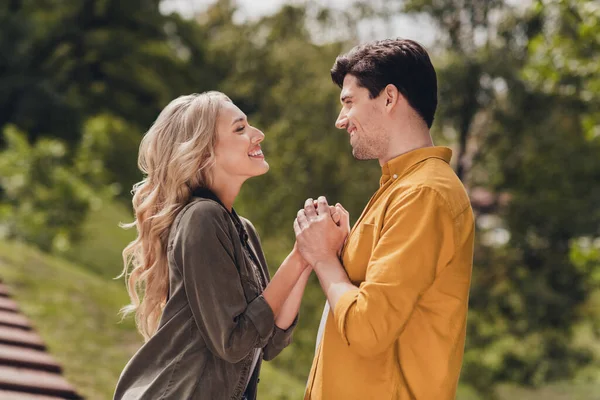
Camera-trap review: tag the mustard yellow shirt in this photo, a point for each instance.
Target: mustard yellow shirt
(401, 334)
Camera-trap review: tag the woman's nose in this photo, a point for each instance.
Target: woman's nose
(258, 137)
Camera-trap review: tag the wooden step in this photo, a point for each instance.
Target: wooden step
(6, 304)
(35, 382)
(28, 358)
(21, 338)
(10, 395)
(14, 320)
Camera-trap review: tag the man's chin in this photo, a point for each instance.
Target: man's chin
(359, 155)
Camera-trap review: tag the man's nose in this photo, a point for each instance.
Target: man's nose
(342, 121)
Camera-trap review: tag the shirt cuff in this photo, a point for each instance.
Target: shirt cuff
(341, 311)
(261, 315)
(284, 336)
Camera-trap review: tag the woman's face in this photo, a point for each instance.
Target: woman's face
(238, 152)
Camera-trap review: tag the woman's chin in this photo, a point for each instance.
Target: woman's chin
(263, 169)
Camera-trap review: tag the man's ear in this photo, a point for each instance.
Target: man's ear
(391, 96)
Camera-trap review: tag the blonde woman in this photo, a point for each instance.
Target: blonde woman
(209, 311)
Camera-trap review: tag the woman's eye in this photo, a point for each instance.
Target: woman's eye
(240, 128)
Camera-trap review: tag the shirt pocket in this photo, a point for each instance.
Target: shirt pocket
(358, 251)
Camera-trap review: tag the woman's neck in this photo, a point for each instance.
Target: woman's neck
(226, 189)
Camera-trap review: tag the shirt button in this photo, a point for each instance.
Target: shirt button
(394, 176)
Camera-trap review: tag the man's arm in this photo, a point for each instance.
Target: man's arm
(416, 238)
(333, 279)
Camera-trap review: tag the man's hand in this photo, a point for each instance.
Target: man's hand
(318, 237)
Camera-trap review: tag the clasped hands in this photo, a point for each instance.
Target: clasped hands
(321, 231)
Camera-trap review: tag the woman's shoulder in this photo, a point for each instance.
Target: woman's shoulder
(203, 211)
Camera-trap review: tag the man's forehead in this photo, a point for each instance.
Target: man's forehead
(349, 86)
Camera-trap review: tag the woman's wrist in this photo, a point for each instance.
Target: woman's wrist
(297, 258)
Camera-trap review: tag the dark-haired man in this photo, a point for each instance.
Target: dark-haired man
(395, 323)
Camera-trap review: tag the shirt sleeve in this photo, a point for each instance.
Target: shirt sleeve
(416, 239)
(281, 338)
(230, 326)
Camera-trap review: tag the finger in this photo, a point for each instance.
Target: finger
(342, 208)
(309, 209)
(322, 207)
(302, 220)
(297, 229)
(344, 217)
(335, 214)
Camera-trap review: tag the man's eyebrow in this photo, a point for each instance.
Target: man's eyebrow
(345, 97)
(238, 119)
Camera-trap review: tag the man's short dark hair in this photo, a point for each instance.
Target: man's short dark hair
(400, 62)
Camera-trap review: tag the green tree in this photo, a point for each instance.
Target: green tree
(44, 199)
(61, 62)
(524, 124)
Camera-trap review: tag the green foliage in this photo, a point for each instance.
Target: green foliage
(106, 154)
(565, 57)
(64, 61)
(43, 198)
(516, 97)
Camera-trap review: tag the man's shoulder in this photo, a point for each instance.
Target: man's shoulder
(435, 179)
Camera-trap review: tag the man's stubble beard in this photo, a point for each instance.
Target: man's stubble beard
(370, 147)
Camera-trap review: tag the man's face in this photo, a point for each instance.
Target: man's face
(362, 117)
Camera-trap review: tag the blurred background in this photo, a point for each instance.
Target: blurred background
(519, 92)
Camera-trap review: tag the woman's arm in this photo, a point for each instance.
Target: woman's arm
(284, 286)
(286, 320)
(290, 308)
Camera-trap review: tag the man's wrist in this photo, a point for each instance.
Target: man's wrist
(322, 262)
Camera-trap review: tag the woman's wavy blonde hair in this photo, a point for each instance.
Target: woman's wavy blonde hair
(176, 156)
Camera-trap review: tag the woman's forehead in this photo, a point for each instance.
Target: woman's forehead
(230, 112)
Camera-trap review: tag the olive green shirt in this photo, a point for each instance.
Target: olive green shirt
(215, 315)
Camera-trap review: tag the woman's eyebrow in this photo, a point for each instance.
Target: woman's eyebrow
(238, 119)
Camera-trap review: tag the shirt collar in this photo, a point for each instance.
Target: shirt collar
(397, 167)
(206, 193)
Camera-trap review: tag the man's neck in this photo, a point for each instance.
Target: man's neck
(397, 149)
(413, 134)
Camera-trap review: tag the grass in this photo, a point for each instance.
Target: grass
(75, 312)
(103, 240)
(554, 391)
